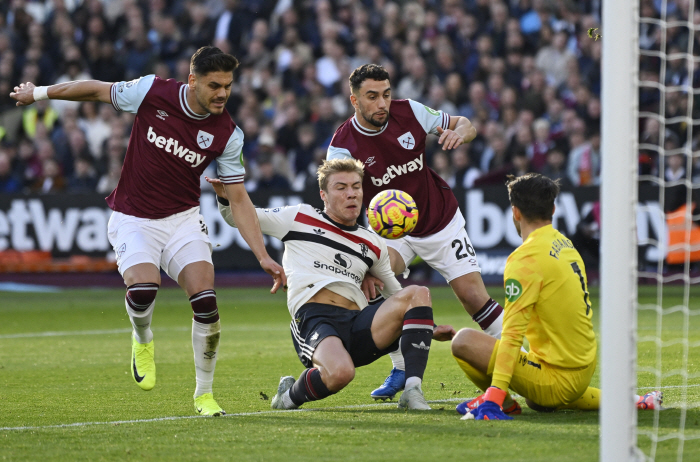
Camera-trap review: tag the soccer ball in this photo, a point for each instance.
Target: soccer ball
(392, 213)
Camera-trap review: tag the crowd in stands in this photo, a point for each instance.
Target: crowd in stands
(525, 72)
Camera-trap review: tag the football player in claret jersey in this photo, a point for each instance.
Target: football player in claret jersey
(179, 129)
(547, 302)
(326, 255)
(389, 137)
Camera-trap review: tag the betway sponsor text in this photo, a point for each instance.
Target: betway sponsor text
(178, 150)
(396, 170)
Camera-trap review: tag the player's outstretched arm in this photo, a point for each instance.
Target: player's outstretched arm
(459, 132)
(78, 90)
(246, 218)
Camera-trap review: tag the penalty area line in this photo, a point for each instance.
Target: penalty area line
(237, 414)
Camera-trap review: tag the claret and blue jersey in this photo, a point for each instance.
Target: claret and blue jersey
(168, 136)
(394, 158)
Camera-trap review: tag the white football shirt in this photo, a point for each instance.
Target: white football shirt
(319, 252)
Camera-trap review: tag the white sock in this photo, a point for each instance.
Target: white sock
(412, 382)
(205, 343)
(494, 330)
(287, 401)
(397, 359)
(141, 321)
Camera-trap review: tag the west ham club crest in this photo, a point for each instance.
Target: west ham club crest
(204, 139)
(407, 141)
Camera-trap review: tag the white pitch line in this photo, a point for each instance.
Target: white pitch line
(238, 414)
(65, 333)
(234, 328)
(241, 414)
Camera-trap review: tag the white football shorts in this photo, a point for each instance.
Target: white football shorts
(170, 243)
(449, 251)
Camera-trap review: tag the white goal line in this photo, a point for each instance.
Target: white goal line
(237, 414)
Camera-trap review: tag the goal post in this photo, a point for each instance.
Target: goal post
(618, 287)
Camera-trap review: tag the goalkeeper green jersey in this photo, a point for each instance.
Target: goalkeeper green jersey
(547, 302)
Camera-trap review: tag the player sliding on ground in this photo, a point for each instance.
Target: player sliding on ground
(547, 302)
(326, 257)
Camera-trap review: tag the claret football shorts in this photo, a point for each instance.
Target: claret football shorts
(170, 243)
(449, 251)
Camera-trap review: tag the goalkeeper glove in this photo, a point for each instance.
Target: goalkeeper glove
(488, 410)
(491, 408)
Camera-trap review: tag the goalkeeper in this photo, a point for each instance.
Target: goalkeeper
(547, 302)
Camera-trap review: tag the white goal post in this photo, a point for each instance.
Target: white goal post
(618, 249)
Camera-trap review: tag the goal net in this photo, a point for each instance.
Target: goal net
(650, 238)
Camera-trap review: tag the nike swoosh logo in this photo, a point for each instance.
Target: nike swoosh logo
(199, 409)
(138, 377)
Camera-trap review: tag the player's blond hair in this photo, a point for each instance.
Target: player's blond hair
(329, 167)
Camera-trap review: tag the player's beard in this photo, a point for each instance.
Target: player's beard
(370, 119)
(207, 106)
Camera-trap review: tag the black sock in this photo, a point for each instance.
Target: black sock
(415, 339)
(309, 387)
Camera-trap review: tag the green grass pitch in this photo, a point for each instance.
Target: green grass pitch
(66, 392)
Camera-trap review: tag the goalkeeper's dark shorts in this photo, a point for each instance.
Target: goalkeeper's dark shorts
(313, 322)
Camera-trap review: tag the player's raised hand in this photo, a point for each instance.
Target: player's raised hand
(370, 285)
(23, 94)
(443, 333)
(217, 185)
(272, 268)
(449, 139)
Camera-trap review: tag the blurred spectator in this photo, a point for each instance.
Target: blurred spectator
(584, 160)
(415, 84)
(27, 165)
(95, 126)
(541, 145)
(287, 134)
(269, 178)
(73, 70)
(553, 59)
(38, 114)
(109, 180)
(464, 173)
(84, 178)
(441, 164)
(555, 168)
(9, 183)
(675, 172)
(586, 239)
(50, 180)
(303, 154)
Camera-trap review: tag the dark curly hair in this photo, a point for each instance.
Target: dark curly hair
(534, 195)
(212, 59)
(364, 72)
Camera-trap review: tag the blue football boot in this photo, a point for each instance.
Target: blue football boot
(392, 385)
